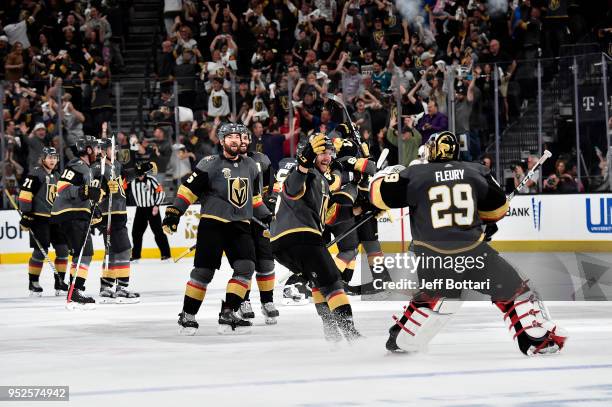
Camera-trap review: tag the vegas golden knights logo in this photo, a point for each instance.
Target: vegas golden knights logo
(123, 156)
(217, 101)
(238, 191)
(51, 193)
(258, 106)
(284, 102)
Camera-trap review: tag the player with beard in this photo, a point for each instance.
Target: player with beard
(297, 240)
(228, 187)
(264, 260)
(36, 198)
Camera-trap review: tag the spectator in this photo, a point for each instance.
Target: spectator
(432, 122)
(411, 139)
(271, 144)
(560, 181)
(14, 64)
(218, 101)
(37, 140)
(162, 150)
(101, 100)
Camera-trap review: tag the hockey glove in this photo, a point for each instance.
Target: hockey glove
(314, 147)
(171, 220)
(266, 220)
(27, 221)
(88, 192)
(96, 220)
(113, 186)
(143, 168)
(360, 165)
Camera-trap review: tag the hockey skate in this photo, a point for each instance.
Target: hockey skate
(124, 296)
(347, 327)
(107, 295)
(61, 288)
(293, 296)
(270, 313)
(35, 289)
(230, 323)
(80, 301)
(187, 323)
(391, 344)
(246, 310)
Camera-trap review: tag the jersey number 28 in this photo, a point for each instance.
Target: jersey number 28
(443, 196)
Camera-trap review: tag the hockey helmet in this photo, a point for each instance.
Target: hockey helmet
(83, 142)
(442, 146)
(229, 128)
(245, 130)
(49, 151)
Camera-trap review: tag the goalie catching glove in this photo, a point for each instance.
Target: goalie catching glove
(171, 220)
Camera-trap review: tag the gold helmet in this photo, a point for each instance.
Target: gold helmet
(442, 146)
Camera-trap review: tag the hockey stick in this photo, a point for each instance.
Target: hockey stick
(381, 160)
(93, 212)
(110, 207)
(185, 253)
(344, 234)
(545, 155)
(40, 247)
(340, 102)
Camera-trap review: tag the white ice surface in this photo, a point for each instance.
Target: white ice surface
(131, 355)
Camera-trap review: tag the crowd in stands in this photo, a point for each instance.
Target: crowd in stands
(404, 69)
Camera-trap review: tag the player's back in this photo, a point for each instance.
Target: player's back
(444, 201)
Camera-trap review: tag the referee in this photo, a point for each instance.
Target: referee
(148, 195)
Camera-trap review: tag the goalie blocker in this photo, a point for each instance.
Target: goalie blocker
(449, 200)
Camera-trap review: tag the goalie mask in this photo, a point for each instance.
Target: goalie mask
(442, 146)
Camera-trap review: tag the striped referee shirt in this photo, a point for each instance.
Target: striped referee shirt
(147, 192)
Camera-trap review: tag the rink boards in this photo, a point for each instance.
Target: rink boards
(534, 223)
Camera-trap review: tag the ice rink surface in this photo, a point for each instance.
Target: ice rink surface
(132, 355)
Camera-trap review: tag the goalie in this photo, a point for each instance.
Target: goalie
(448, 201)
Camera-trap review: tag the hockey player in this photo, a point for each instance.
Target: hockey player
(448, 201)
(297, 240)
(77, 195)
(228, 187)
(353, 157)
(264, 260)
(35, 201)
(117, 272)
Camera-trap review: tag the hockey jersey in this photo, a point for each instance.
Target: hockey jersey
(228, 190)
(68, 205)
(301, 208)
(448, 202)
(38, 192)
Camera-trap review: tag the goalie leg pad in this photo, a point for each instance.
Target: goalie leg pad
(421, 320)
(530, 324)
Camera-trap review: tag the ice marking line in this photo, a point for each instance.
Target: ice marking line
(334, 379)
